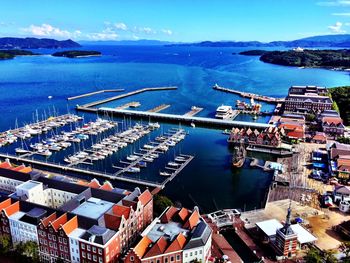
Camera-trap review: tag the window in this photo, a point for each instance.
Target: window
(94, 257)
(83, 254)
(100, 251)
(100, 260)
(195, 253)
(177, 257)
(191, 254)
(60, 239)
(166, 260)
(172, 258)
(200, 251)
(89, 255)
(88, 247)
(132, 258)
(94, 249)
(83, 246)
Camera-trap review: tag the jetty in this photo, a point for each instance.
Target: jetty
(94, 93)
(133, 104)
(194, 110)
(249, 95)
(124, 95)
(159, 108)
(65, 168)
(176, 171)
(183, 119)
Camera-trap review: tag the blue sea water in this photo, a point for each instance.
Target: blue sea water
(26, 83)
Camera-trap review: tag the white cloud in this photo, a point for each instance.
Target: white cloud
(146, 30)
(167, 32)
(335, 3)
(46, 30)
(103, 35)
(341, 14)
(337, 28)
(121, 26)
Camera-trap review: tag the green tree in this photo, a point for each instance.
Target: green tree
(329, 257)
(310, 117)
(313, 256)
(160, 202)
(5, 244)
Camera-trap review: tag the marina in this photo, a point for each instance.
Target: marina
(133, 104)
(94, 93)
(194, 110)
(249, 95)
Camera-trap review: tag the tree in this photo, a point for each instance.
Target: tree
(5, 244)
(313, 256)
(310, 117)
(160, 202)
(329, 257)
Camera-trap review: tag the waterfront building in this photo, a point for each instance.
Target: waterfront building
(269, 137)
(333, 126)
(178, 235)
(307, 99)
(73, 222)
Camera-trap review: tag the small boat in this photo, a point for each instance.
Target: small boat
(164, 174)
(142, 164)
(148, 159)
(173, 164)
(21, 151)
(193, 125)
(154, 155)
(132, 157)
(148, 147)
(133, 170)
(171, 143)
(154, 125)
(44, 152)
(180, 159)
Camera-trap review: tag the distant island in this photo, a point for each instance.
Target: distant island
(9, 54)
(35, 43)
(77, 53)
(340, 40)
(335, 59)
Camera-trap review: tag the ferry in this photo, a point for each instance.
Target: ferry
(224, 112)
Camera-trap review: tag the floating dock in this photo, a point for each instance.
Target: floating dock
(159, 108)
(250, 95)
(133, 104)
(131, 93)
(176, 171)
(94, 93)
(184, 119)
(193, 111)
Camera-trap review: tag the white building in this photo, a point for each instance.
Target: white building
(74, 244)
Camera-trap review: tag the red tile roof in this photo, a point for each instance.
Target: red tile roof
(59, 222)
(112, 221)
(71, 225)
(46, 221)
(145, 197)
(107, 186)
(120, 210)
(168, 215)
(141, 247)
(157, 248)
(94, 184)
(183, 213)
(334, 120)
(5, 165)
(296, 134)
(177, 244)
(192, 220)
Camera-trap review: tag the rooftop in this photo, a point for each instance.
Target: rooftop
(168, 231)
(93, 208)
(304, 236)
(269, 227)
(28, 185)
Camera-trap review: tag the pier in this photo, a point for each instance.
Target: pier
(94, 93)
(249, 95)
(194, 110)
(64, 168)
(176, 171)
(159, 108)
(184, 119)
(133, 104)
(131, 93)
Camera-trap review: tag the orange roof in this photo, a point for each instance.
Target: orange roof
(18, 168)
(48, 219)
(5, 203)
(94, 184)
(177, 244)
(26, 169)
(112, 221)
(141, 247)
(183, 214)
(5, 165)
(343, 161)
(192, 220)
(59, 221)
(168, 215)
(295, 134)
(82, 182)
(14, 208)
(71, 225)
(158, 248)
(335, 120)
(145, 197)
(120, 210)
(291, 126)
(320, 137)
(107, 186)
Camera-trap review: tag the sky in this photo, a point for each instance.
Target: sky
(174, 20)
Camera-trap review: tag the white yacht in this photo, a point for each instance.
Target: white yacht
(224, 112)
